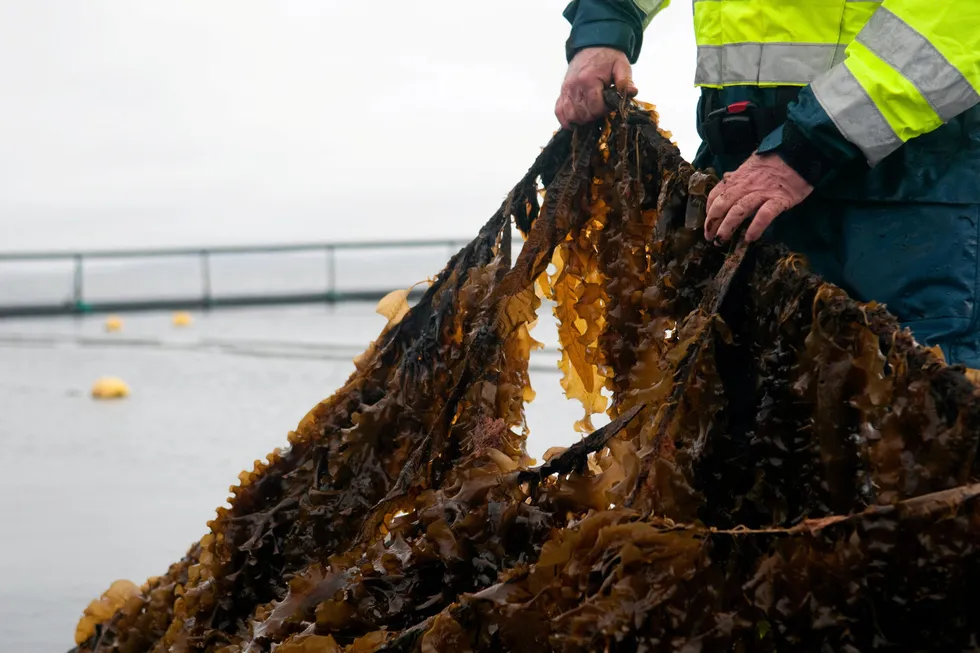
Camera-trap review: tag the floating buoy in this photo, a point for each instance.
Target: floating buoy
(113, 323)
(182, 319)
(110, 387)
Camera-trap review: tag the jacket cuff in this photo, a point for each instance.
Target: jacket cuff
(809, 141)
(606, 34)
(791, 145)
(614, 24)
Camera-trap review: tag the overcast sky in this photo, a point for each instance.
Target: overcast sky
(198, 122)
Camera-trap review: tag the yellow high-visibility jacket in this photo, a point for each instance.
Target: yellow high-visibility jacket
(885, 72)
(893, 84)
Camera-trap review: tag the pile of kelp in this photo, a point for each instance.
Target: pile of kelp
(785, 469)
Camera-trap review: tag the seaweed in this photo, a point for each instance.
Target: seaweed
(785, 468)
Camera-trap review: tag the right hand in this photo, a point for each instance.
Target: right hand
(590, 72)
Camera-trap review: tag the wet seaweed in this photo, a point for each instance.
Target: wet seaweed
(785, 467)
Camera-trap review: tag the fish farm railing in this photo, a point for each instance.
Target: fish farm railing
(74, 300)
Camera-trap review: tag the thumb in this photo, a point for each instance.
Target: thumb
(623, 77)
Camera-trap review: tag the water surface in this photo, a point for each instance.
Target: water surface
(96, 491)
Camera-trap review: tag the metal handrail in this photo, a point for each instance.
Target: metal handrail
(230, 249)
(77, 304)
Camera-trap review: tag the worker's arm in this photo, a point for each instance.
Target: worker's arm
(606, 38)
(913, 67)
(616, 24)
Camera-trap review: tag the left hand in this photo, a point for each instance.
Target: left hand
(764, 185)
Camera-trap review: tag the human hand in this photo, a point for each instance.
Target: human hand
(764, 185)
(590, 72)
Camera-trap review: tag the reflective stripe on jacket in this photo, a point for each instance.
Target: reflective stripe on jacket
(881, 73)
(650, 8)
(766, 43)
(885, 72)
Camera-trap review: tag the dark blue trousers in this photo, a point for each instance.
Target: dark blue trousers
(919, 258)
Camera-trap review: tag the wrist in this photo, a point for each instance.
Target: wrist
(810, 142)
(612, 34)
(791, 144)
(614, 24)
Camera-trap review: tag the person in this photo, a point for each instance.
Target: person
(856, 123)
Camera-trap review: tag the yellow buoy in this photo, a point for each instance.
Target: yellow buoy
(113, 323)
(110, 387)
(182, 319)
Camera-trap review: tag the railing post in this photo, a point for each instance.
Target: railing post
(206, 277)
(331, 273)
(78, 285)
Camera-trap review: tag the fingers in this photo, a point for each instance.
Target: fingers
(593, 104)
(623, 77)
(738, 213)
(580, 104)
(764, 217)
(719, 203)
(563, 112)
(766, 211)
(589, 73)
(719, 188)
(766, 186)
(572, 108)
(565, 109)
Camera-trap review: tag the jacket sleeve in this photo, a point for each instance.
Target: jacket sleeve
(615, 24)
(914, 66)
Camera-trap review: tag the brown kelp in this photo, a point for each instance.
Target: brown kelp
(784, 469)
